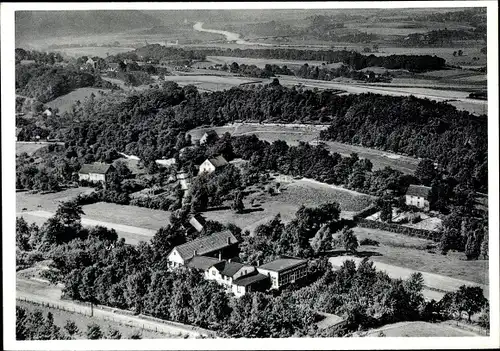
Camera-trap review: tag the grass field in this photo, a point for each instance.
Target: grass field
(210, 83)
(409, 252)
(93, 51)
(420, 329)
(64, 103)
(293, 134)
(29, 147)
(261, 63)
(47, 202)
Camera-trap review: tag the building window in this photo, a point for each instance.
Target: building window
(213, 272)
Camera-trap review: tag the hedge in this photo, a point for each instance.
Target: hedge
(368, 211)
(395, 228)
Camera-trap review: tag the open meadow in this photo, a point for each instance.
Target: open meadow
(420, 329)
(65, 102)
(293, 134)
(261, 63)
(30, 147)
(211, 83)
(413, 253)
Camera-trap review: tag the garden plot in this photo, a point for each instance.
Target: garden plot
(416, 220)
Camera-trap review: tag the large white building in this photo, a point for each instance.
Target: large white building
(284, 271)
(95, 172)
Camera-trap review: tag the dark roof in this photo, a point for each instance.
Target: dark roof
(218, 161)
(228, 268)
(206, 244)
(202, 262)
(99, 168)
(250, 279)
(418, 190)
(282, 264)
(210, 132)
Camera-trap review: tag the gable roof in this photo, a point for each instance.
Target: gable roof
(418, 190)
(228, 268)
(202, 262)
(113, 65)
(282, 264)
(206, 244)
(208, 133)
(99, 168)
(250, 279)
(218, 161)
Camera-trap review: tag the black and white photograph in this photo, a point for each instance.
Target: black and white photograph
(256, 175)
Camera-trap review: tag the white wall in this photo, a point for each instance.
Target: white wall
(175, 259)
(206, 167)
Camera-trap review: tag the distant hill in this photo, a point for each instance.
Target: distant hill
(39, 24)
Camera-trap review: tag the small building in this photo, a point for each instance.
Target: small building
(95, 172)
(418, 195)
(198, 222)
(208, 136)
(47, 112)
(184, 180)
(211, 164)
(219, 245)
(284, 271)
(166, 162)
(113, 67)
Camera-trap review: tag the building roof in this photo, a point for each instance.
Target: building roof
(228, 268)
(113, 65)
(418, 190)
(282, 264)
(197, 221)
(206, 244)
(96, 167)
(218, 161)
(201, 262)
(210, 132)
(250, 279)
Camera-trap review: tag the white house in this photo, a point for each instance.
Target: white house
(166, 162)
(236, 277)
(209, 135)
(418, 195)
(95, 172)
(211, 164)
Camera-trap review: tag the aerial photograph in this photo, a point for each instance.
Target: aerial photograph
(258, 173)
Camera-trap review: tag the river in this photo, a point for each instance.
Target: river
(230, 36)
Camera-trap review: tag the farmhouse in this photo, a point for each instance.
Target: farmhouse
(284, 271)
(166, 162)
(211, 164)
(209, 135)
(418, 195)
(113, 67)
(95, 172)
(220, 245)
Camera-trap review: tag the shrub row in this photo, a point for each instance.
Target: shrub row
(395, 228)
(368, 211)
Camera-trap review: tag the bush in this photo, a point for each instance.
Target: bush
(370, 242)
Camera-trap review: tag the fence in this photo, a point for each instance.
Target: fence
(87, 310)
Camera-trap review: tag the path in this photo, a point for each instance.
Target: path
(133, 235)
(46, 294)
(436, 285)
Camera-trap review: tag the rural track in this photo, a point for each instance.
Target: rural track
(99, 313)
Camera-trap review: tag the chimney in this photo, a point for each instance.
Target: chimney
(228, 240)
(195, 253)
(229, 260)
(220, 255)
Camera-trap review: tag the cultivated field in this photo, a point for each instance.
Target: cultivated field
(98, 51)
(288, 201)
(420, 329)
(64, 103)
(293, 134)
(410, 252)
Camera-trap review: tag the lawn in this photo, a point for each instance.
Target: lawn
(409, 252)
(419, 329)
(61, 316)
(65, 102)
(47, 202)
(29, 147)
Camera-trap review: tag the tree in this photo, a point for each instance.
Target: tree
(425, 171)
(69, 213)
(348, 240)
(94, 332)
(113, 334)
(135, 335)
(484, 247)
(71, 328)
(237, 205)
(470, 299)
